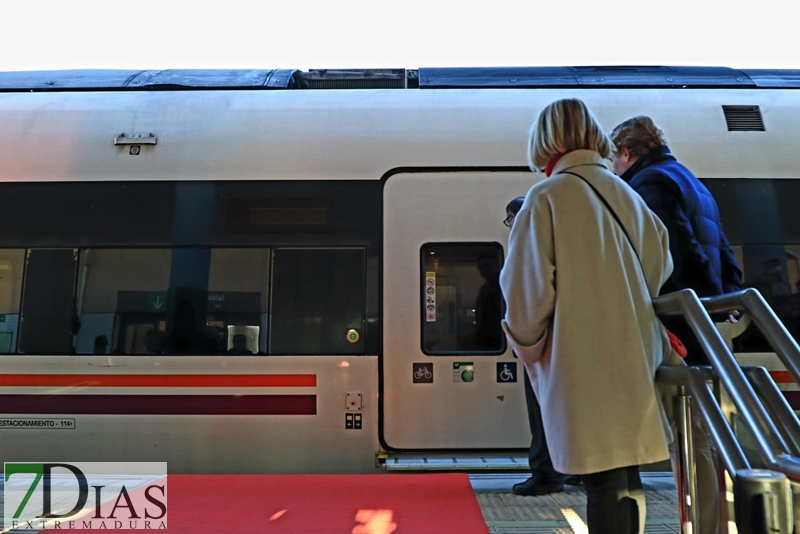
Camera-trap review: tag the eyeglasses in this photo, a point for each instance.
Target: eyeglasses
(508, 220)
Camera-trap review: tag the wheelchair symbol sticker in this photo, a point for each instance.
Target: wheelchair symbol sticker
(507, 372)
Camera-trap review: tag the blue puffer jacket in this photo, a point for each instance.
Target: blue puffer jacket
(702, 257)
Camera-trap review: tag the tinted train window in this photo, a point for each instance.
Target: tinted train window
(183, 301)
(121, 296)
(48, 319)
(762, 222)
(12, 264)
(318, 301)
(774, 270)
(180, 301)
(462, 305)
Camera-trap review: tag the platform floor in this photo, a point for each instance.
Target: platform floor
(561, 513)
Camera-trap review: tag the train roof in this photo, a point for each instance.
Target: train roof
(661, 77)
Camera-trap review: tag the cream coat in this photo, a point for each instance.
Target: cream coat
(581, 317)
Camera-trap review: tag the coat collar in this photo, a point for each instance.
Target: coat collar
(656, 155)
(577, 158)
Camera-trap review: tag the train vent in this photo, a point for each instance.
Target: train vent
(743, 118)
(354, 79)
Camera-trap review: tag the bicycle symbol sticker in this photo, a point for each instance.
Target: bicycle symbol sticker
(423, 373)
(507, 372)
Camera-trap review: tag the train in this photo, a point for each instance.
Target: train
(282, 271)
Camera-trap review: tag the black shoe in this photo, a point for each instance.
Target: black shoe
(573, 480)
(534, 487)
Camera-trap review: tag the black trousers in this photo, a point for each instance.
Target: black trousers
(615, 501)
(538, 455)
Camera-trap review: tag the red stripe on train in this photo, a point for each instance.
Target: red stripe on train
(158, 404)
(158, 381)
(782, 377)
(793, 398)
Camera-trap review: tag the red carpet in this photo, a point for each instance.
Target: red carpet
(336, 504)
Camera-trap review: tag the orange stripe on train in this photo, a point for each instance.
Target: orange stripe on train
(158, 381)
(782, 377)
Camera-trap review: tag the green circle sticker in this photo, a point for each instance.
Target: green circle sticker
(467, 375)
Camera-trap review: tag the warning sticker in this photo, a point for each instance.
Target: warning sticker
(430, 297)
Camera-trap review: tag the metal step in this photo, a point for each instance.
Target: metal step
(465, 462)
(475, 462)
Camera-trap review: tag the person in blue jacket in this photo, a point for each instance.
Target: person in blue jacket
(702, 257)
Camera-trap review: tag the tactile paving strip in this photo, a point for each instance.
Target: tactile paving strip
(506, 513)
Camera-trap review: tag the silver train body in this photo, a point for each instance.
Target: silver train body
(281, 271)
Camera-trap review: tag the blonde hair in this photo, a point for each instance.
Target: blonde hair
(563, 126)
(639, 135)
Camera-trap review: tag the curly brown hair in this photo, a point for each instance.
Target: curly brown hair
(639, 135)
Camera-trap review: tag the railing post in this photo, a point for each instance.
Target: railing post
(687, 474)
(763, 502)
(795, 504)
(726, 476)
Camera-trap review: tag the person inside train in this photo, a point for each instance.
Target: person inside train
(773, 284)
(794, 305)
(153, 342)
(544, 478)
(702, 257)
(187, 335)
(239, 345)
(488, 305)
(100, 344)
(585, 259)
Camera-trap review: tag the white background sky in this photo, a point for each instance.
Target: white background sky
(305, 34)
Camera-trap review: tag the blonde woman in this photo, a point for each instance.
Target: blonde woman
(585, 258)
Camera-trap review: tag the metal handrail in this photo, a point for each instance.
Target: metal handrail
(777, 405)
(774, 449)
(695, 380)
(775, 333)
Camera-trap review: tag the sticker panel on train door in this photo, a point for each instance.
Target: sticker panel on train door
(506, 372)
(430, 296)
(423, 373)
(463, 372)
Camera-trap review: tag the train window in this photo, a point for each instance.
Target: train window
(318, 302)
(11, 267)
(179, 301)
(47, 317)
(462, 303)
(122, 301)
(774, 270)
(762, 223)
(238, 299)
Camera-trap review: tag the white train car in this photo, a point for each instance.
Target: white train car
(279, 271)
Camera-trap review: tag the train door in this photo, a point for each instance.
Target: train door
(449, 381)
